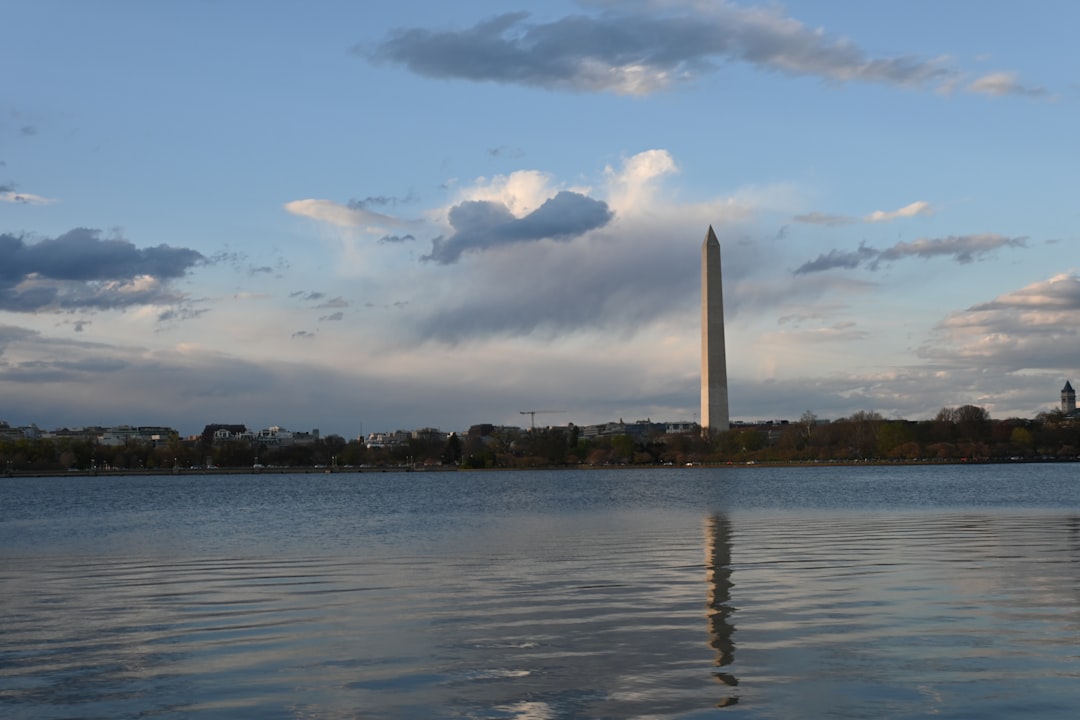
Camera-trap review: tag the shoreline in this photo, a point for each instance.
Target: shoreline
(300, 470)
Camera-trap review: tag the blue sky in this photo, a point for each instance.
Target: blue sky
(370, 216)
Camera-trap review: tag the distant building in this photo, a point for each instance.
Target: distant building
(387, 439)
(639, 430)
(28, 432)
(123, 434)
(429, 435)
(1068, 399)
(481, 430)
(87, 434)
(233, 433)
(222, 432)
(277, 435)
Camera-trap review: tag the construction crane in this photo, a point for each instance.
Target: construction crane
(533, 413)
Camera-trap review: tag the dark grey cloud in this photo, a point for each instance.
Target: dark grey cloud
(241, 263)
(333, 317)
(847, 260)
(379, 201)
(79, 269)
(483, 224)
(11, 333)
(544, 295)
(396, 305)
(303, 335)
(390, 239)
(960, 248)
(79, 366)
(506, 152)
(55, 360)
(181, 313)
(316, 296)
(28, 130)
(641, 47)
(310, 296)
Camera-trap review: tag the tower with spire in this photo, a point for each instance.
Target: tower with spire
(1068, 399)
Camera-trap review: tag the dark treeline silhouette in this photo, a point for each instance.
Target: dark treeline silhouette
(955, 434)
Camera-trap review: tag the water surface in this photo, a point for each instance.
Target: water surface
(896, 592)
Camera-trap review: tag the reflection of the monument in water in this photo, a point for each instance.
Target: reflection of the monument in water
(718, 577)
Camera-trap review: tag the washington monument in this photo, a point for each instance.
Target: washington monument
(714, 398)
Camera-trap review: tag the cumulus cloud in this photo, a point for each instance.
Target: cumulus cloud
(546, 257)
(79, 269)
(633, 185)
(1003, 83)
(1060, 292)
(480, 224)
(639, 269)
(638, 47)
(961, 248)
(1035, 327)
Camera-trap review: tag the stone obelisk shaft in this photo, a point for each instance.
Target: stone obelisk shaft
(714, 394)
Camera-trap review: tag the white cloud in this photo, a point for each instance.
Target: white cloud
(920, 207)
(631, 187)
(342, 216)
(21, 198)
(521, 191)
(1000, 84)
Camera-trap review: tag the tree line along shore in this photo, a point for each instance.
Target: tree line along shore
(964, 434)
